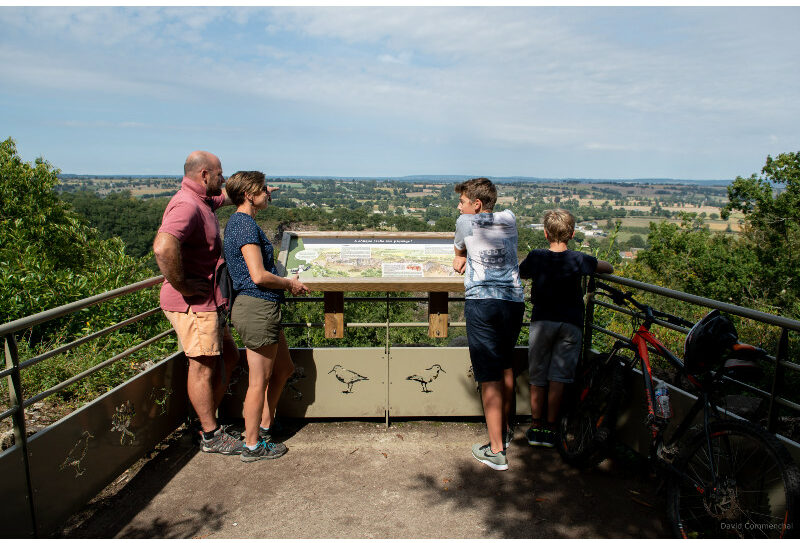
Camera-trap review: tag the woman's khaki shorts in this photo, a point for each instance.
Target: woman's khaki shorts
(202, 333)
(258, 321)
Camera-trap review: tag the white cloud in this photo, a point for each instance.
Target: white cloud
(530, 77)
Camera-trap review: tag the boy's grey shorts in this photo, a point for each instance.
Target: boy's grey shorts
(553, 352)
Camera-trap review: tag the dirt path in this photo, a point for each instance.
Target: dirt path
(358, 480)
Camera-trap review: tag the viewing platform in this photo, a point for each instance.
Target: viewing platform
(387, 456)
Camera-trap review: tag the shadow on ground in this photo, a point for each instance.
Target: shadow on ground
(115, 507)
(540, 496)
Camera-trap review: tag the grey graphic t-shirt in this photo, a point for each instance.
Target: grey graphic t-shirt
(491, 243)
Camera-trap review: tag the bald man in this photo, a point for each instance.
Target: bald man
(188, 249)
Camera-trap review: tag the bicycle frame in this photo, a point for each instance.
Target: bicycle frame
(641, 342)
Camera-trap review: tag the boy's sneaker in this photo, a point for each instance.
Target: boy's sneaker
(541, 437)
(265, 450)
(221, 443)
(484, 454)
(508, 436)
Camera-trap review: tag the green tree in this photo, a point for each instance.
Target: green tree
(771, 207)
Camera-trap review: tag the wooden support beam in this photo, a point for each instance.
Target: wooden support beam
(437, 314)
(334, 314)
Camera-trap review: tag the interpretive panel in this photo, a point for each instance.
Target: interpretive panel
(372, 260)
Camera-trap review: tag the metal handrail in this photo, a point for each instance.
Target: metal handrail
(753, 314)
(783, 323)
(60, 311)
(85, 339)
(75, 378)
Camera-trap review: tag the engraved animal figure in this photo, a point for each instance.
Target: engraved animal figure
(299, 373)
(427, 376)
(236, 375)
(121, 421)
(159, 396)
(347, 377)
(77, 454)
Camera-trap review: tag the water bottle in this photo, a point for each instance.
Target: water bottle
(663, 408)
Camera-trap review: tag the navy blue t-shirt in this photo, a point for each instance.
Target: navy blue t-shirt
(242, 230)
(556, 289)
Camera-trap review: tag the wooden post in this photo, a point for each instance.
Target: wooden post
(437, 314)
(334, 314)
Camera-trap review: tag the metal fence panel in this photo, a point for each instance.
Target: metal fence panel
(328, 382)
(15, 513)
(434, 381)
(418, 388)
(75, 458)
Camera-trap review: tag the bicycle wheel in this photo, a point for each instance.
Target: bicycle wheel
(757, 485)
(586, 428)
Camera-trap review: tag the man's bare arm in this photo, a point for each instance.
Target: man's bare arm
(167, 250)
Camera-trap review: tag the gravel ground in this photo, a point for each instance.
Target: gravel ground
(361, 480)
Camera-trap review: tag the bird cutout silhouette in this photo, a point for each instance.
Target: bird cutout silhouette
(77, 454)
(427, 376)
(299, 373)
(347, 377)
(121, 421)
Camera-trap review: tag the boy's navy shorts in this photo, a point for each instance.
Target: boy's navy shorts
(492, 330)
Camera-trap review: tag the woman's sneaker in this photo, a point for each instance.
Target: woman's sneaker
(484, 454)
(265, 450)
(508, 437)
(222, 443)
(541, 437)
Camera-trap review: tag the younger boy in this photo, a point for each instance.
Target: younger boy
(486, 248)
(557, 320)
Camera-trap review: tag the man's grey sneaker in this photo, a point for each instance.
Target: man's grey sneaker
(484, 454)
(265, 450)
(221, 443)
(541, 437)
(508, 436)
(232, 430)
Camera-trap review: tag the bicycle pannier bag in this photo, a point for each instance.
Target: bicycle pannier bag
(708, 341)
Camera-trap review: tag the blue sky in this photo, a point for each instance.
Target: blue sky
(598, 92)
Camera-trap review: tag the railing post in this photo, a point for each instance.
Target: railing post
(17, 400)
(387, 352)
(777, 380)
(588, 321)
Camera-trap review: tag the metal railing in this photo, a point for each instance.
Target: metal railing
(785, 325)
(14, 366)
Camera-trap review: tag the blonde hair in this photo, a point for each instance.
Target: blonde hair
(559, 225)
(242, 183)
(479, 189)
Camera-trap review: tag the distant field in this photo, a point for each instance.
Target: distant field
(717, 225)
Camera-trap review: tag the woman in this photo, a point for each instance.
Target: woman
(256, 313)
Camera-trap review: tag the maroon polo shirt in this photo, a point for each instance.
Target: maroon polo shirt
(190, 218)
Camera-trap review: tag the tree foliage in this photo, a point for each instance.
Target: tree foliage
(758, 269)
(53, 256)
(771, 206)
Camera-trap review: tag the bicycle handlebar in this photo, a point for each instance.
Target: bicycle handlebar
(619, 297)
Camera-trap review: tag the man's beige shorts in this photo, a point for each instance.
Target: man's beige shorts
(201, 333)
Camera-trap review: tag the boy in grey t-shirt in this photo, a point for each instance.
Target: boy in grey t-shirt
(486, 247)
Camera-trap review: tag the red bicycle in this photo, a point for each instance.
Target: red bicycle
(725, 476)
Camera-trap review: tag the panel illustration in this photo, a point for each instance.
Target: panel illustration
(389, 257)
